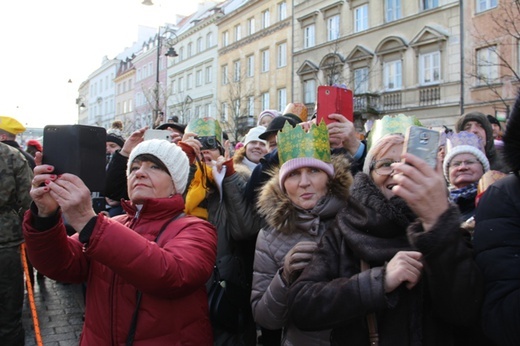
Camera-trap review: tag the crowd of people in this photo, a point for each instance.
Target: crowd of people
(300, 234)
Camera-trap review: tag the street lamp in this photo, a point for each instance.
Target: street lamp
(170, 39)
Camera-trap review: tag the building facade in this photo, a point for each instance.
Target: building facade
(434, 59)
(254, 63)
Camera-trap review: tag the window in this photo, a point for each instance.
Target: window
(198, 78)
(309, 36)
(333, 28)
(429, 4)
(209, 40)
(429, 68)
(361, 18)
(309, 91)
(266, 19)
(181, 54)
(207, 110)
(282, 99)
(189, 81)
(251, 106)
(265, 60)
(484, 5)
(173, 85)
(197, 111)
(225, 75)
(361, 80)
(392, 75)
(282, 10)
(236, 71)
(250, 72)
(190, 50)
(265, 101)
(199, 45)
(393, 10)
(181, 84)
(225, 111)
(237, 107)
(251, 26)
(238, 32)
(281, 60)
(225, 38)
(209, 74)
(487, 65)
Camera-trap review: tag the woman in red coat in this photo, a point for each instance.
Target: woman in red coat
(152, 263)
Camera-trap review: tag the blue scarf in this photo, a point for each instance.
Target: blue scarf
(467, 192)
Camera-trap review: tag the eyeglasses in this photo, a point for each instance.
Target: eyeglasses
(466, 163)
(383, 167)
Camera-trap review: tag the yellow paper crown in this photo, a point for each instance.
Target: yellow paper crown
(390, 124)
(295, 142)
(205, 127)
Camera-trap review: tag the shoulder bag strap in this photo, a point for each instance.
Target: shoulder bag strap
(133, 324)
(373, 335)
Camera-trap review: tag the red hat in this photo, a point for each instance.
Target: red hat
(35, 144)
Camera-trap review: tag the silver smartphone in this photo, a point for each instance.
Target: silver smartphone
(158, 134)
(422, 142)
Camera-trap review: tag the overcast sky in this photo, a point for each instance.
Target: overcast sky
(46, 43)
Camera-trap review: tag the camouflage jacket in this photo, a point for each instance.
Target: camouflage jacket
(15, 184)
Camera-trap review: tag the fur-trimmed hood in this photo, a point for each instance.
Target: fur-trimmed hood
(278, 210)
(511, 139)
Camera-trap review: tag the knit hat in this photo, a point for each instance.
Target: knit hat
(464, 143)
(253, 134)
(170, 155)
(115, 133)
(11, 125)
(301, 162)
(268, 112)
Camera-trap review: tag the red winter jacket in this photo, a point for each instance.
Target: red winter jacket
(121, 258)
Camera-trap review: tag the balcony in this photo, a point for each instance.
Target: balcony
(391, 101)
(429, 96)
(244, 124)
(366, 103)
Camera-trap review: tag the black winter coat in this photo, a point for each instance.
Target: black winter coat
(332, 292)
(497, 245)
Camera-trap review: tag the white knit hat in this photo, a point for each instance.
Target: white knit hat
(464, 143)
(253, 134)
(170, 155)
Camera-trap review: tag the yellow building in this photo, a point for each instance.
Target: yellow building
(398, 56)
(254, 63)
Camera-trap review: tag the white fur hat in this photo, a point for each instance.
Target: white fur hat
(462, 143)
(253, 134)
(170, 155)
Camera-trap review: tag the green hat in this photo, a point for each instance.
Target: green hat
(205, 127)
(390, 124)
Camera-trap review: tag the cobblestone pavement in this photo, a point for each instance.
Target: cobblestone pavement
(60, 313)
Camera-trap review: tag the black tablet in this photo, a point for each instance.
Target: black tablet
(77, 149)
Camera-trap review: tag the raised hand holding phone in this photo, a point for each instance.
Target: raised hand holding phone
(334, 100)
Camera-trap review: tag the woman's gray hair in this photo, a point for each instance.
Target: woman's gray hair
(380, 148)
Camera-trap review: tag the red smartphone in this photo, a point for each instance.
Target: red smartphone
(333, 99)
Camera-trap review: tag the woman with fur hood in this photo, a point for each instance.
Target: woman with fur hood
(394, 266)
(298, 203)
(497, 244)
